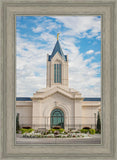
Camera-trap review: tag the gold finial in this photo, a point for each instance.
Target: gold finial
(58, 36)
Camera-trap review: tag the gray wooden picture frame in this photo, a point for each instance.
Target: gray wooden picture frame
(9, 9)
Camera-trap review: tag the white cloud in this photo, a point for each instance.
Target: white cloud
(37, 29)
(48, 38)
(90, 52)
(98, 37)
(98, 52)
(46, 26)
(81, 26)
(23, 26)
(31, 67)
(95, 65)
(88, 60)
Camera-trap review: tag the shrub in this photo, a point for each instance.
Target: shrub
(59, 130)
(98, 123)
(84, 130)
(92, 131)
(65, 132)
(45, 133)
(51, 130)
(17, 123)
(26, 130)
(97, 131)
(56, 132)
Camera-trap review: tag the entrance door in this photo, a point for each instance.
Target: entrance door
(57, 118)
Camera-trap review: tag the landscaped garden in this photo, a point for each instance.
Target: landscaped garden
(57, 133)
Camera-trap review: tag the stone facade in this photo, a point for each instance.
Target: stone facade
(72, 111)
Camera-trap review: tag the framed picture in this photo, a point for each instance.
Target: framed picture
(66, 101)
(62, 120)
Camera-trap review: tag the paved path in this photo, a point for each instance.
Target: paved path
(94, 139)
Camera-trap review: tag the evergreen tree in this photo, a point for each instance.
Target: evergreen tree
(98, 123)
(17, 123)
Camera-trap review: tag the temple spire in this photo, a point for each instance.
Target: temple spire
(57, 49)
(58, 36)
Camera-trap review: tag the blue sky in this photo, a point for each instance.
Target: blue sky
(80, 38)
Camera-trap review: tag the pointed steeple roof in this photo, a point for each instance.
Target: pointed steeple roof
(56, 49)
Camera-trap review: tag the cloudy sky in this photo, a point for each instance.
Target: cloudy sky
(80, 38)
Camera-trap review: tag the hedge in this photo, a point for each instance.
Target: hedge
(60, 130)
(26, 130)
(92, 131)
(84, 130)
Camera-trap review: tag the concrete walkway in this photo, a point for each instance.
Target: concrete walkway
(93, 139)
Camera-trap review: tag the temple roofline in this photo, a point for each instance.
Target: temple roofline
(85, 99)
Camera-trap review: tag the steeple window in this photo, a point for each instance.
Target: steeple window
(57, 73)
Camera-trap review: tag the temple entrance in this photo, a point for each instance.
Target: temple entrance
(57, 118)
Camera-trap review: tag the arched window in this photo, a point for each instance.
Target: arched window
(57, 118)
(57, 73)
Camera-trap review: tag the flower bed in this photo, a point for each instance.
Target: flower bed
(39, 135)
(58, 133)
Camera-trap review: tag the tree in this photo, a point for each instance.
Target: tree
(17, 123)
(98, 123)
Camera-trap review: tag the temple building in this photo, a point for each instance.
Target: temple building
(57, 104)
